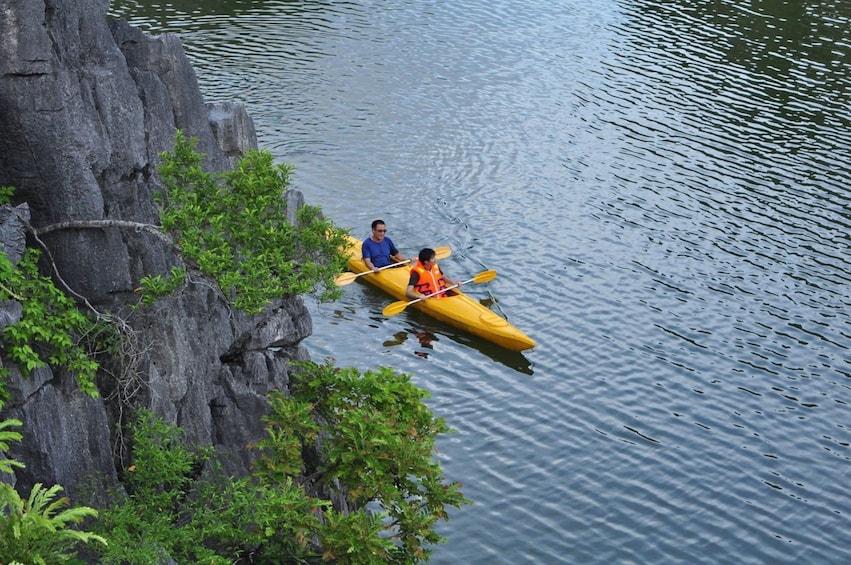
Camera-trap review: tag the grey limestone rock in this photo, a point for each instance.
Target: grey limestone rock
(86, 108)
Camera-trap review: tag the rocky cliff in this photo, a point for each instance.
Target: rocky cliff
(86, 107)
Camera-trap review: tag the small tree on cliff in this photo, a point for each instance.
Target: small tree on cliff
(50, 329)
(377, 440)
(235, 228)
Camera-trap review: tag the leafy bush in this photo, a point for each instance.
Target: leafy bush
(154, 287)
(144, 528)
(377, 441)
(234, 227)
(170, 511)
(50, 327)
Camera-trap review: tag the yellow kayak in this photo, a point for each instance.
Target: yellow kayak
(457, 309)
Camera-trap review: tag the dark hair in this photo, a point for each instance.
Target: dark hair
(375, 223)
(426, 254)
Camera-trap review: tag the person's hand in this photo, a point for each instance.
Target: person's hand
(375, 269)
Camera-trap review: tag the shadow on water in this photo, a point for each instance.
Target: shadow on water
(428, 332)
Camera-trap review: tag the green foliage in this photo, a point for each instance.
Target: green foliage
(143, 529)
(274, 522)
(35, 530)
(357, 538)
(154, 287)
(170, 511)
(289, 430)
(163, 467)
(381, 442)
(234, 227)
(6, 193)
(377, 440)
(50, 326)
(6, 436)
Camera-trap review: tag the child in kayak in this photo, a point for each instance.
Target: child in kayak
(427, 278)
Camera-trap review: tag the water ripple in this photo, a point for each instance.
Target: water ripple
(663, 188)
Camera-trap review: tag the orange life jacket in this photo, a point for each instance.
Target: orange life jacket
(429, 282)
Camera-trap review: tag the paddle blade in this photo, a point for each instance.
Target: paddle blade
(442, 252)
(484, 276)
(345, 278)
(395, 308)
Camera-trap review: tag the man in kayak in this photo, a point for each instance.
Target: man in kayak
(378, 250)
(427, 277)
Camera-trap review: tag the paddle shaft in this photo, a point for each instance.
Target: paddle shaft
(400, 306)
(447, 289)
(390, 266)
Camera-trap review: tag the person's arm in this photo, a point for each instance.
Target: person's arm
(410, 292)
(366, 253)
(368, 262)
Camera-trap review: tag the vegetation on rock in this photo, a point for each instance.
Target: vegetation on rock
(377, 437)
(51, 328)
(367, 440)
(37, 530)
(235, 228)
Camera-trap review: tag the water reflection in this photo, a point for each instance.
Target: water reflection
(664, 189)
(427, 332)
(428, 337)
(398, 339)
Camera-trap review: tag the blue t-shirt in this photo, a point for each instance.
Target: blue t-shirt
(379, 253)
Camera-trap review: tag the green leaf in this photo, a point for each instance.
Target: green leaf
(50, 324)
(234, 227)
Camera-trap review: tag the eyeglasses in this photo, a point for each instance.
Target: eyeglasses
(381, 231)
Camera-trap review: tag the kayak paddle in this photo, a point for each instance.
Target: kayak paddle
(396, 307)
(346, 278)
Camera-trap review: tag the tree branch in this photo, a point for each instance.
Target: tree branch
(97, 224)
